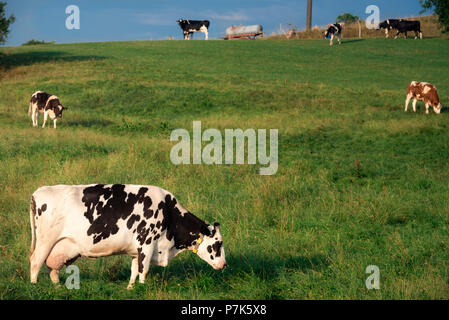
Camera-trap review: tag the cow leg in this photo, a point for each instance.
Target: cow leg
(143, 261)
(397, 34)
(37, 259)
(332, 40)
(387, 33)
(33, 117)
(414, 105)
(407, 101)
(427, 108)
(134, 272)
(339, 39)
(54, 123)
(45, 119)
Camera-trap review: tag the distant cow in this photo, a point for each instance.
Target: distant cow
(405, 26)
(333, 31)
(423, 91)
(146, 222)
(190, 26)
(48, 104)
(388, 25)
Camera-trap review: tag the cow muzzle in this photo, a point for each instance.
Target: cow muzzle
(221, 266)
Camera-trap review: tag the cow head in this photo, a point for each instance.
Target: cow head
(383, 25)
(58, 111)
(437, 108)
(211, 248)
(54, 107)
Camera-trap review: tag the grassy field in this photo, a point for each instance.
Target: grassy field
(308, 232)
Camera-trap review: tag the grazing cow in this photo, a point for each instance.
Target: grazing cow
(190, 26)
(405, 26)
(48, 104)
(333, 31)
(388, 25)
(425, 92)
(94, 221)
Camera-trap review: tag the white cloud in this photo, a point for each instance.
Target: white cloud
(230, 16)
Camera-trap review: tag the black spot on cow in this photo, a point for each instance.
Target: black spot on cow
(211, 257)
(118, 205)
(158, 225)
(149, 240)
(142, 232)
(133, 219)
(209, 249)
(157, 237)
(40, 98)
(42, 209)
(217, 248)
(140, 258)
(183, 229)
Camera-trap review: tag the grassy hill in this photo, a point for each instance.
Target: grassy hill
(359, 183)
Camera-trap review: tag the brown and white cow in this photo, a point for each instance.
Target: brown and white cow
(48, 104)
(423, 91)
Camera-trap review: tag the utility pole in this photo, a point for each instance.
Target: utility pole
(309, 14)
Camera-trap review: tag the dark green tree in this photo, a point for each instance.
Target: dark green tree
(4, 23)
(440, 8)
(347, 18)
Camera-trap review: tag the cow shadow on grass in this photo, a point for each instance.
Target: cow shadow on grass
(13, 60)
(352, 40)
(254, 265)
(89, 123)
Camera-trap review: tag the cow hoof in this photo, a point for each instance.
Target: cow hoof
(129, 287)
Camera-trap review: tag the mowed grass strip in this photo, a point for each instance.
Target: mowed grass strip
(359, 183)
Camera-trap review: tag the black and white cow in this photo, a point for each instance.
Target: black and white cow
(405, 26)
(190, 26)
(388, 25)
(333, 31)
(48, 104)
(146, 222)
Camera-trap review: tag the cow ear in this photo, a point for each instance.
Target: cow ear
(205, 230)
(217, 226)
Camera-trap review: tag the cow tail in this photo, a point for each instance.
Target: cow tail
(32, 223)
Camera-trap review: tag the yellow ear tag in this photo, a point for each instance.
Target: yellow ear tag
(195, 251)
(199, 241)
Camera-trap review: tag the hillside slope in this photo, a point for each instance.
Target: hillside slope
(359, 183)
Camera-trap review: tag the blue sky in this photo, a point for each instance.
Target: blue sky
(116, 20)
